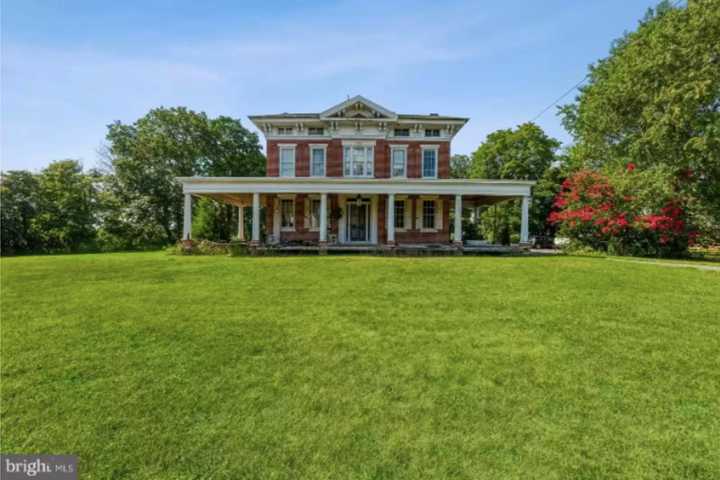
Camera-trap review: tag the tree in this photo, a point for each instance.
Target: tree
(625, 211)
(66, 200)
(525, 153)
(18, 196)
(172, 142)
(655, 100)
(460, 166)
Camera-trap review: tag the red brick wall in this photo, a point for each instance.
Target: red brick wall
(382, 159)
(302, 156)
(334, 159)
(382, 219)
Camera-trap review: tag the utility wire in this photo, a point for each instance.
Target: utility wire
(561, 97)
(672, 5)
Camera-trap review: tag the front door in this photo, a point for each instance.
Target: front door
(358, 222)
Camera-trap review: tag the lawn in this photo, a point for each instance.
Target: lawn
(153, 366)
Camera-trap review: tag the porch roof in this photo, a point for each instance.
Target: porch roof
(220, 185)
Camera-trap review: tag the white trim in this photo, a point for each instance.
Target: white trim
(187, 217)
(318, 146)
(308, 212)
(524, 219)
(358, 143)
(291, 147)
(365, 146)
(323, 217)
(403, 148)
(423, 149)
(294, 212)
(255, 217)
(458, 219)
(359, 98)
(355, 186)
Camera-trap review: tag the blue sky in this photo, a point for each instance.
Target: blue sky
(70, 68)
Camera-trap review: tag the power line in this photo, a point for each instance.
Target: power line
(561, 97)
(672, 5)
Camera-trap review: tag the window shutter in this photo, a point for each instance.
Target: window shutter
(418, 213)
(439, 214)
(407, 222)
(306, 216)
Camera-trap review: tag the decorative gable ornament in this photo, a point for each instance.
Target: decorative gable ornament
(358, 107)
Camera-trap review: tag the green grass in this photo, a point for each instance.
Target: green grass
(165, 367)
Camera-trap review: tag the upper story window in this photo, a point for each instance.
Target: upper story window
(398, 155)
(284, 130)
(358, 161)
(287, 160)
(317, 160)
(316, 131)
(429, 162)
(402, 132)
(432, 132)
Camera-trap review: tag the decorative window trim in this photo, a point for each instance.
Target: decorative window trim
(287, 146)
(403, 148)
(318, 146)
(419, 213)
(423, 149)
(349, 144)
(358, 143)
(308, 213)
(290, 198)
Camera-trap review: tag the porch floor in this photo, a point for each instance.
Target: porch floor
(409, 249)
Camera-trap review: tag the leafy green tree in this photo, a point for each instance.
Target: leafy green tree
(213, 220)
(520, 154)
(525, 153)
(66, 203)
(655, 100)
(167, 143)
(460, 166)
(18, 197)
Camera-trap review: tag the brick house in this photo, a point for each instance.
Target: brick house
(356, 174)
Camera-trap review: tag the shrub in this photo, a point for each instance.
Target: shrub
(624, 212)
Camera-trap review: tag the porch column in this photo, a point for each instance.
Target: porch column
(241, 223)
(458, 220)
(524, 220)
(187, 217)
(256, 219)
(391, 219)
(323, 218)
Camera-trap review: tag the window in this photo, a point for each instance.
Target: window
(358, 161)
(428, 220)
(429, 163)
(317, 161)
(285, 130)
(402, 132)
(432, 132)
(287, 161)
(316, 131)
(287, 214)
(399, 156)
(400, 214)
(315, 213)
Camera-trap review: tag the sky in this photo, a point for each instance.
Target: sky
(70, 68)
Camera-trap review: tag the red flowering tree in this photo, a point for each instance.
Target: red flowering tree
(627, 212)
